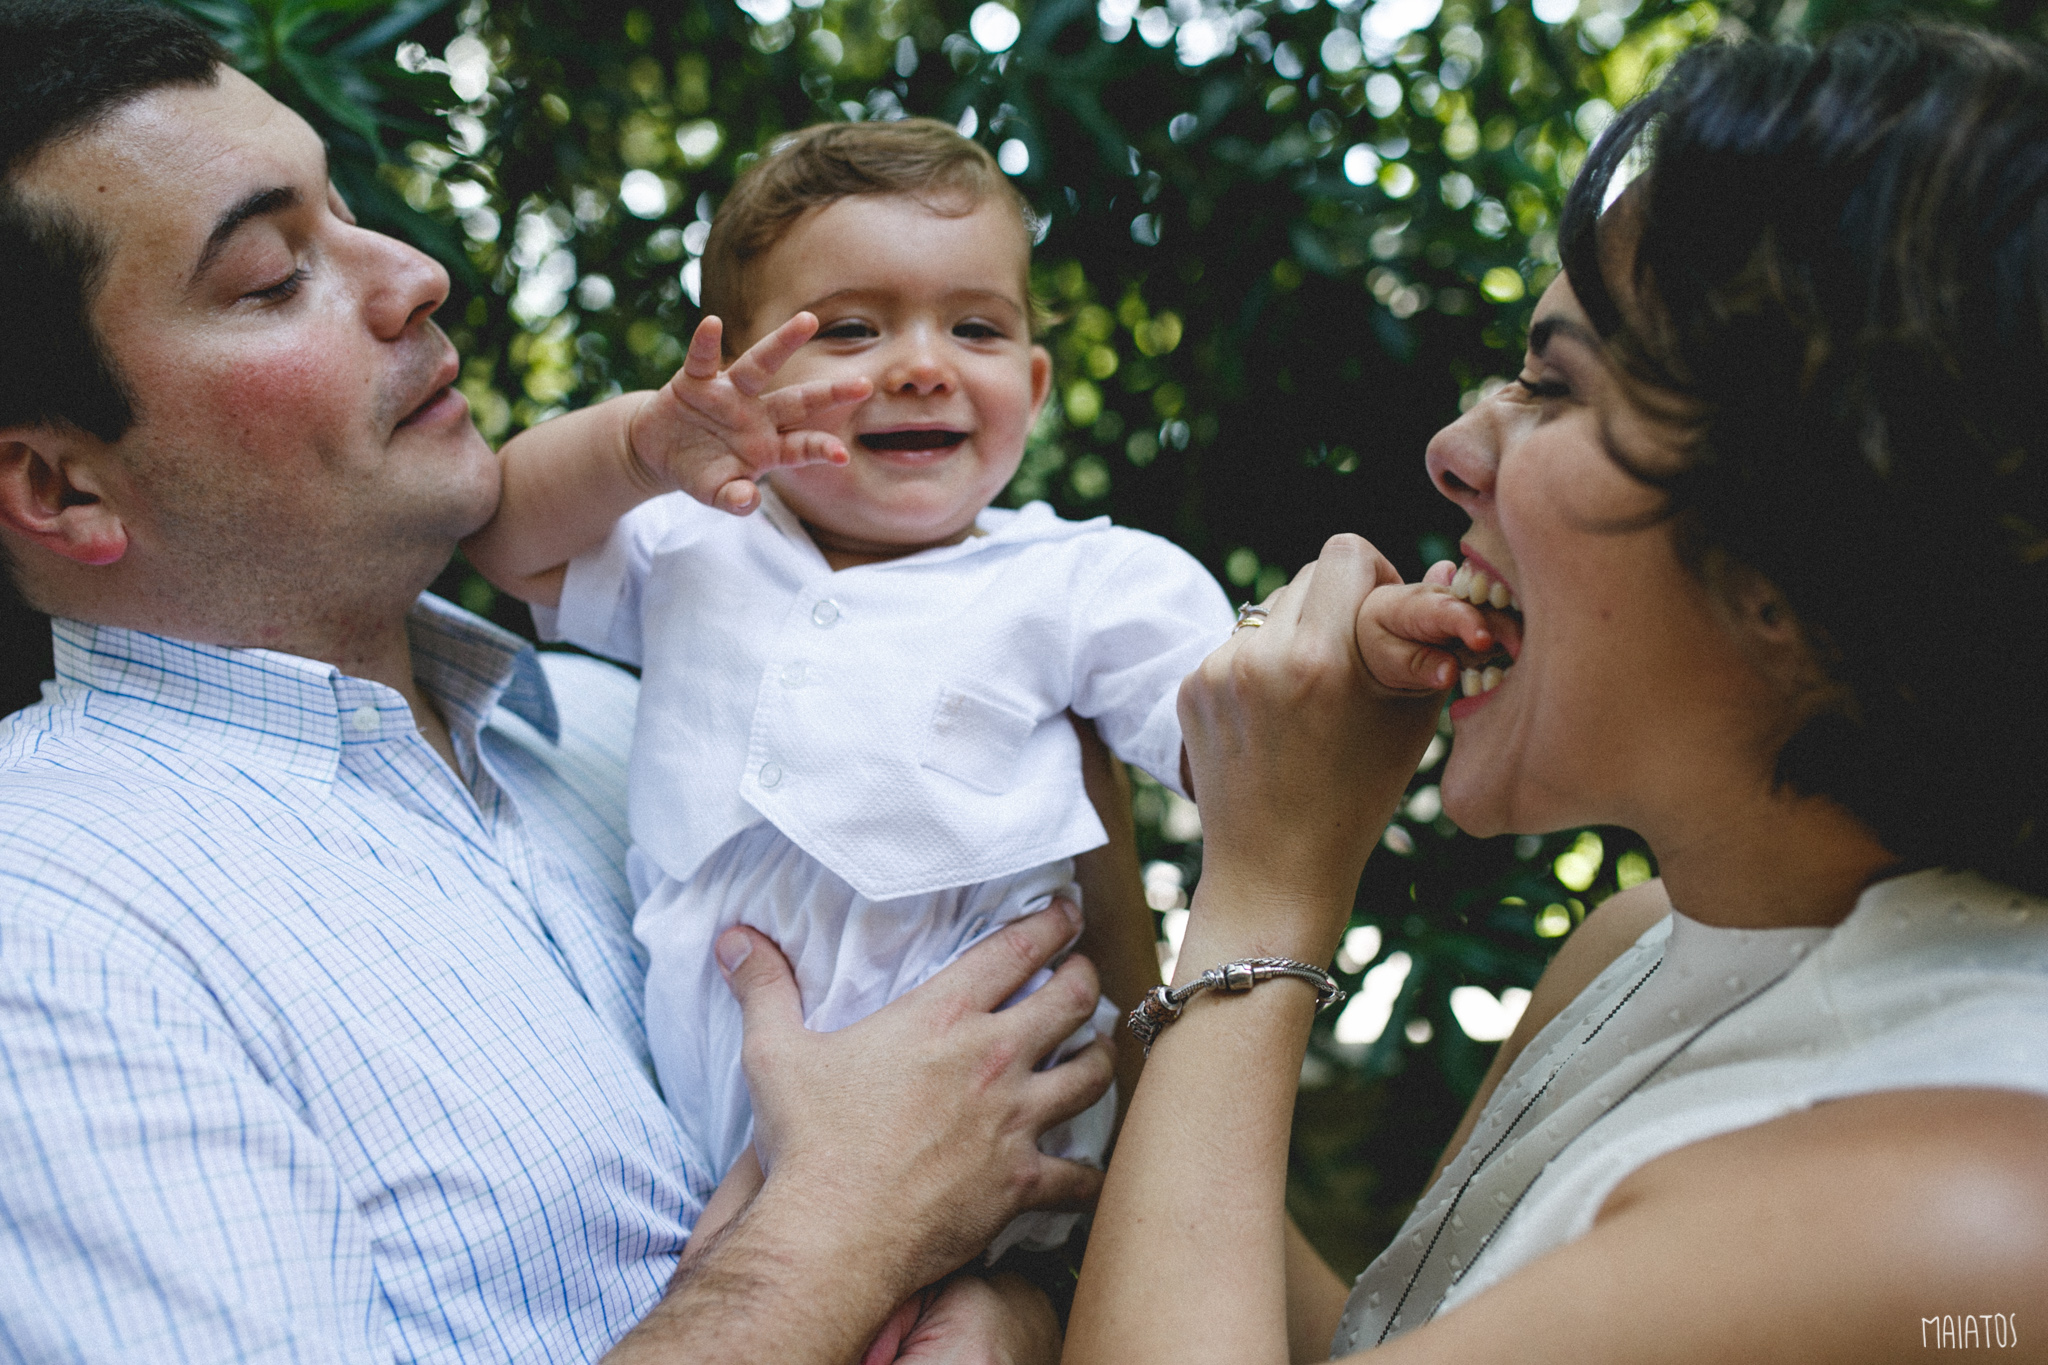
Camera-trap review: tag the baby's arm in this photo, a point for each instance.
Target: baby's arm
(1408, 633)
(708, 432)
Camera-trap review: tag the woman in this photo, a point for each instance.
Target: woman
(1769, 496)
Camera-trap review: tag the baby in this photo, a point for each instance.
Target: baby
(853, 731)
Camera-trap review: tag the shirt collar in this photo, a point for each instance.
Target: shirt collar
(1033, 521)
(265, 708)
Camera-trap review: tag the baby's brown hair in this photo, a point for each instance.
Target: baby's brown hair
(920, 157)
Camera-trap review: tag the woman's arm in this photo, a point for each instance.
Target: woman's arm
(1300, 757)
(1824, 1237)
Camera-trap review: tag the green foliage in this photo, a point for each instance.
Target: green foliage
(1285, 241)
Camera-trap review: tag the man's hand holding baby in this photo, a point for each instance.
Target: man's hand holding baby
(712, 431)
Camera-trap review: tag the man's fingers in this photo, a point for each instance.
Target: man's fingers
(994, 969)
(1065, 1186)
(1067, 1088)
(751, 372)
(706, 344)
(1049, 1015)
(760, 979)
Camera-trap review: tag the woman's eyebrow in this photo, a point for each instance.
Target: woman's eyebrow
(1544, 329)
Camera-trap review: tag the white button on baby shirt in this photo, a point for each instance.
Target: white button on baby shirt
(363, 719)
(933, 730)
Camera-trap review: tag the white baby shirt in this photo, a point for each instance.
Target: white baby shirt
(904, 722)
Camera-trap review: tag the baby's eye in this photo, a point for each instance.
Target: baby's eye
(846, 329)
(977, 330)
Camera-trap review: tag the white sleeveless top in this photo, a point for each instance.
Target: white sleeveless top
(1936, 979)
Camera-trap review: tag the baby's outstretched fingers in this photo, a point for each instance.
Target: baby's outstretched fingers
(706, 349)
(752, 371)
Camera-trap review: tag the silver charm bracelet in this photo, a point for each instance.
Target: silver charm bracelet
(1163, 1004)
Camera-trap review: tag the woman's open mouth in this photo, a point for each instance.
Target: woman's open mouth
(1480, 584)
(915, 438)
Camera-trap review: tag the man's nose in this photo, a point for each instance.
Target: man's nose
(401, 285)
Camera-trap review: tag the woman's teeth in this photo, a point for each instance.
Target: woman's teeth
(1472, 584)
(1475, 587)
(1473, 681)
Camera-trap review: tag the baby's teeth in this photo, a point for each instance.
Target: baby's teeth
(1488, 680)
(1500, 596)
(1461, 581)
(1468, 682)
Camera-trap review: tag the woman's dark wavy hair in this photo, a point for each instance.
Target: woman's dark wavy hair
(1843, 267)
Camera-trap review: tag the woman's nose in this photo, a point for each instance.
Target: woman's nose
(1463, 456)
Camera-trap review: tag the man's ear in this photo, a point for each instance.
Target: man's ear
(51, 496)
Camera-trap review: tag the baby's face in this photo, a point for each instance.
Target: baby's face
(931, 310)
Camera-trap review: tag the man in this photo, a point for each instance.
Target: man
(319, 1012)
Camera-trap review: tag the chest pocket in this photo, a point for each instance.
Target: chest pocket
(975, 740)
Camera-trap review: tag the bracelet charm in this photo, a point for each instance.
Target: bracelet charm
(1163, 1004)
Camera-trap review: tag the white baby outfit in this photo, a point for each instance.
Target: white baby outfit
(1935, 980)
(874, 766)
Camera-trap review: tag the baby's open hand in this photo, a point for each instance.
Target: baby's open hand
(1411, 634)
(712, 432)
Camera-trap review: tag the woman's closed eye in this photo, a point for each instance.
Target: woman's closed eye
(1543, 388)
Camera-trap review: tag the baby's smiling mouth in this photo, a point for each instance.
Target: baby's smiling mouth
(917, 438)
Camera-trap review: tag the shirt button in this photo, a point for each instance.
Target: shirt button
(825, 614)
(793, 675)
(771, 775)
(363, 718)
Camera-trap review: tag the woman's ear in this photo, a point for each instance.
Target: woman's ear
(1780, 645)
(51, 495)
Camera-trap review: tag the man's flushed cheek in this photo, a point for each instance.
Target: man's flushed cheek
(279, 399)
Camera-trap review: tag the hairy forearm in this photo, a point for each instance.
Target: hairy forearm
(782, 1281)
(565, 483)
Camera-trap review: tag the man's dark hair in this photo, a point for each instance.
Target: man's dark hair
(1841, 274)
(65, 65)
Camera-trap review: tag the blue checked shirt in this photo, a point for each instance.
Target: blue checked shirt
(309, 1051)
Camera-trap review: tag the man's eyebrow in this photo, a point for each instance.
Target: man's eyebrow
(276, 199)
(1541, 332)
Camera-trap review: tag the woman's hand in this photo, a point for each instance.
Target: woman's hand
(1298, 752)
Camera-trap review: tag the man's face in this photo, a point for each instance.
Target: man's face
(297, 449)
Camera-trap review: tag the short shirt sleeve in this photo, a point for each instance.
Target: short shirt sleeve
(604, 587)
(1155, 614)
